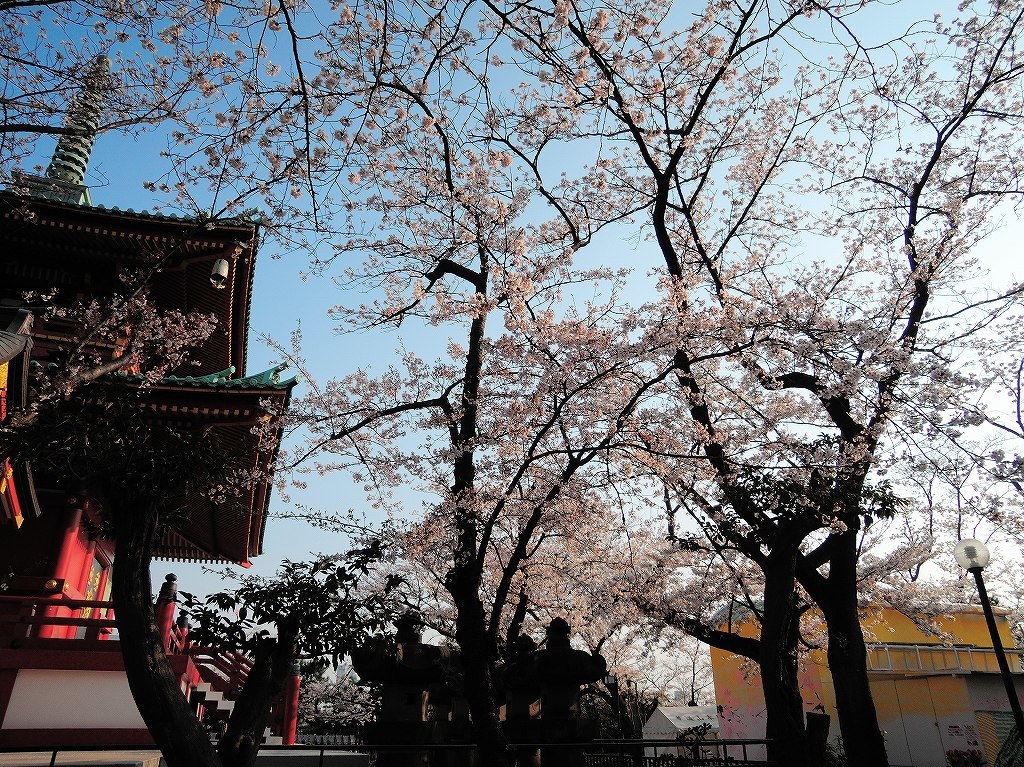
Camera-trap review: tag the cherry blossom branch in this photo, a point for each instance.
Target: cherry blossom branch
(440, 402)
(575, 462)
(305, 109)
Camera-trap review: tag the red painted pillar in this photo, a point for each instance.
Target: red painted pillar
(62, 571)
(291, 707)
(81, 585)
(83, 578)
(106, 612)
(165, 608)
(67, 548)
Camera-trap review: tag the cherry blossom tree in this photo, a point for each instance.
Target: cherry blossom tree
(767, 352)
(509, 438)
(731, 573)
(459, 162)
(790, 373)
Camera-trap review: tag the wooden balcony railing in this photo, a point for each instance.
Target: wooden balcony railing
(26, 620)
(55, 617)
(225, 671)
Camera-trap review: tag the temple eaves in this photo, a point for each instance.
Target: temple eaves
(268, 379)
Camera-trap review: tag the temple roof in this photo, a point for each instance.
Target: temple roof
(25, 187)
(87, 245)
(11, 345)
(268, 379)
(248, 218)
(234, 411)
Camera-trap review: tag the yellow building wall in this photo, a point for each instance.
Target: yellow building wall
(965, 627)
(907, 708)
(740, 702)
(738, 693)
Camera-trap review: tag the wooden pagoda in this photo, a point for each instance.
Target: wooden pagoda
(56, 627)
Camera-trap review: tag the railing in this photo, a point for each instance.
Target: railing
(225, 671)
(177, 639)
(337, 739)
(592, 760)
(30, 620)
(688, 753)
(50, 617)
(666, 760)
(918, 658)
(24, 619)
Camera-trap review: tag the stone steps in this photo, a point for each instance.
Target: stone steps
(212, 699)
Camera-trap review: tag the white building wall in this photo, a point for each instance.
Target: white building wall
(45, 698)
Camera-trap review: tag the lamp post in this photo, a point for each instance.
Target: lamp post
(632, 712)
(612, 683)
(973, 556)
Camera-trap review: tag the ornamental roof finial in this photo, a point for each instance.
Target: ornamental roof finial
(71, 158)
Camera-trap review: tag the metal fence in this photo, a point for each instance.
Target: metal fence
(602, 753)
(614, 760)
(339, 739)
(689, 753)
(625, 760)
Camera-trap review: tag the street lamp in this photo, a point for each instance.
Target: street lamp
(973, 556)
(632, 707)
(612, 683)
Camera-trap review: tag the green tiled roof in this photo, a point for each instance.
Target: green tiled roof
(268, 379)
(251, 217)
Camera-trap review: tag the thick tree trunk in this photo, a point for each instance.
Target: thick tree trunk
(241, 742)
(858, 721)
(154, 685)
(477, 646)
(780, 631)
(847, 660)
(477, 658)
(775, 653)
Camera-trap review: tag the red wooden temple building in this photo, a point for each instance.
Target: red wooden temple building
(62, 680)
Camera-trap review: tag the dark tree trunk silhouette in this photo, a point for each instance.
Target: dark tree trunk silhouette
(240, 745)
(154, 685)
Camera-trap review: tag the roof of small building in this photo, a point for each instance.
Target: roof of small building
(11, 345)
(688, 717)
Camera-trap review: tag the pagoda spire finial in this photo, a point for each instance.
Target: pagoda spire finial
(71, 157)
